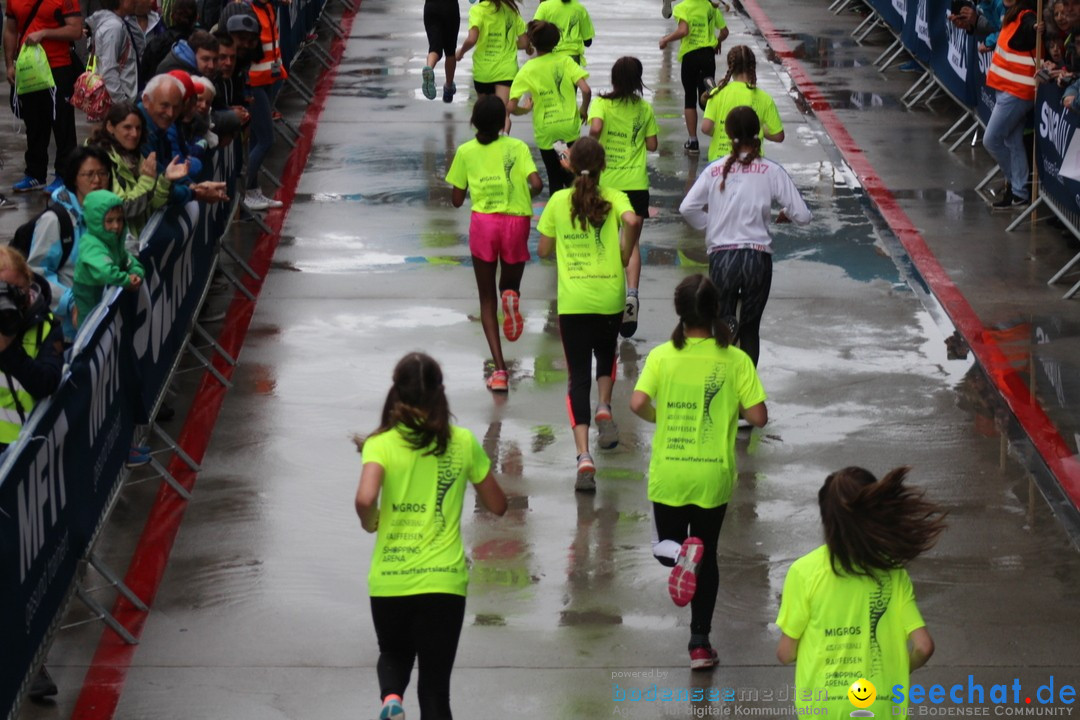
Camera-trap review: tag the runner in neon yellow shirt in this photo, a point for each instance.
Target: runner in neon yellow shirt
(501, 178)
(848, 609)
(552, 82)
(582, 226)
(739, 88)
(497, 32)
(419, 464)
(700, 384)
(625, 125)
(699, 21)
(575, 26)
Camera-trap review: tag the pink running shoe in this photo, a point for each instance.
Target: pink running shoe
(683, 579)
(513, 323)
(703, 658)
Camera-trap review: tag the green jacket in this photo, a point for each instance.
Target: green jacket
(142, 194)
(103, 259)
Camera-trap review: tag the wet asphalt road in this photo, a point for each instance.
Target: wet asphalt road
(263, 612)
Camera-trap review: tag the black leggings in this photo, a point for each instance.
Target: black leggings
(696, 66)
(743, 275)
(672, 523)
(584, 336)
(442, 20)
(426, 626)
(558, 176)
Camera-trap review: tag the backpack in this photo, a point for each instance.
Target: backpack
(157, 48)
(24, 235)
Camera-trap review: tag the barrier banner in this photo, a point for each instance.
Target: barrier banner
(1058, 150)
(56, 489)
(296, 21)
(955, 62)
(179, 259)
(916, 34)
(893, 12)
(984, 96)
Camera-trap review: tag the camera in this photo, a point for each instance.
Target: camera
(1043, 75)
(12, 301)
(958, 5)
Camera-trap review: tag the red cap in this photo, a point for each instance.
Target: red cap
(189, 85)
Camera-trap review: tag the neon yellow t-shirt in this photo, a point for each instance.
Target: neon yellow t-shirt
(495, 174)
(552, 81)
(848, 628)
(703, 20)
(418, 548)
(575, 25)
(626, 125)
(591, 278)
(697, 391)
(495, 54)
(733, 95)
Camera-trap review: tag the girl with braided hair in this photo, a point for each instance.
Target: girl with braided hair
(419, 463)
(739, 87)
(739, 191)
(849, 604)
(582, 225)
(700, 385)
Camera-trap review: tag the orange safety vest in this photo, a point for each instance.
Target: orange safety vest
(262, 73)
(1011, 71)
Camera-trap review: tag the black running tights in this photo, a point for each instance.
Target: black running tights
(679, 523)
(743, 275)
(418, 626)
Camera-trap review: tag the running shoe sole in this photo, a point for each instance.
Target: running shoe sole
(392, 711)
(682, 583)
(630, 316)
(586, 477)
(429, 83)
(609, 431)
(499, 382)
(513, 324)
(704, 662)
(666, 10)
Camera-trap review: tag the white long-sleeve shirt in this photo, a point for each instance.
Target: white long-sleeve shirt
(739, 215)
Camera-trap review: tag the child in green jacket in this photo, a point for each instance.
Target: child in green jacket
(103, 259)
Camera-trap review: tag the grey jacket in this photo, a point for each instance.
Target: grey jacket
(117, 59)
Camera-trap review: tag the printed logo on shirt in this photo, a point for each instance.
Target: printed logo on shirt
(639, 123)
(449, 469)
(508, 167)
(713, 383)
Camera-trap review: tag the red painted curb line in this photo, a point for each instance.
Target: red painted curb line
(1032, 418)
(105, 678)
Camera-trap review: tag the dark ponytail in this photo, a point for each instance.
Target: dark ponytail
(743, 128)
(697, 303)
(740, 61)
(417, 403)
(875, 525)
(587, 205)
(489, 118)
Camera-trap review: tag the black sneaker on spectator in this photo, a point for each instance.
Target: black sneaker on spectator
(255, 200)
(1008, 201)
(691, 146)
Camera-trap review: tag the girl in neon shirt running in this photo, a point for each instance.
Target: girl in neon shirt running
(849, 605)
(739, 87)
(420, 464)
(700, 384)
(500, 175)
(497, 32)
(575, 26)
(625, 124)
(739, 192)
(581, 224)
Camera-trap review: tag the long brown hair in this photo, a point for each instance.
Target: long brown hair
(117, 114)
(875, 525)
(1014, 12)
(587, 205)
(743, 128)
(740, 61)
(512, 4)
(417, 403)
(697, 303)
(626, 83)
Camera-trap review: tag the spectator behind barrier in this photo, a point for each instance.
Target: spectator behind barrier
(194, 126)
(31, 344)
(179, 24)
(88, 168)
(983, 20)
(265, 77)
(162, 104)
(54, 26)
(145, 24)
(196, 56)
(114, 46)
(230, 116)
(239, 21)
(103, 259)
(135, 179)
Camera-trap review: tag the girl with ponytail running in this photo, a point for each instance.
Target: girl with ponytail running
(575, 26)
(582, 225)
(419, 464)
(625, 124)
(739, 87)
(694, 388)
(857, 583)
(739, 191)
(497, 32)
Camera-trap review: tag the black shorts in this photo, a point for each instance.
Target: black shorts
(483, 88)
(442, 20)
(639, 200)
(696, 66)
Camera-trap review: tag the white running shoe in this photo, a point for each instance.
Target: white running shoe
(255, 200)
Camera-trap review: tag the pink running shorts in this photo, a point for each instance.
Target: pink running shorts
(495, 236)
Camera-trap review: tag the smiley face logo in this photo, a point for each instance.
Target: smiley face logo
(862, 693)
